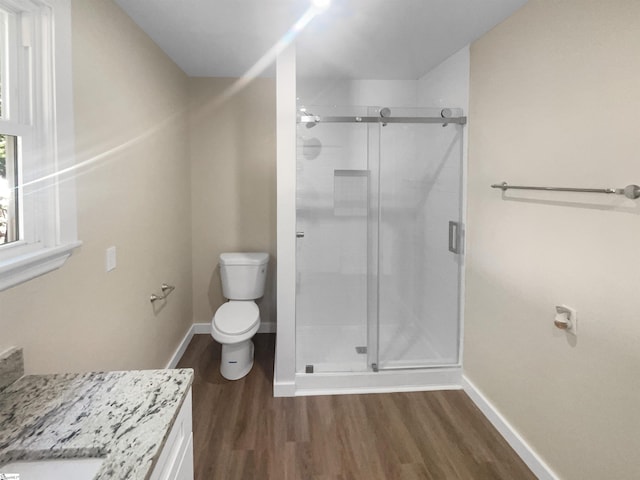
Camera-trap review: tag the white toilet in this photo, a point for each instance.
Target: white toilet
(235, 322)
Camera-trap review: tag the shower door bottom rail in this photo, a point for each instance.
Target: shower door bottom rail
(379, 368)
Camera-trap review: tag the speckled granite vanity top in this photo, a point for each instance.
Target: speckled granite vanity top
(124, 417)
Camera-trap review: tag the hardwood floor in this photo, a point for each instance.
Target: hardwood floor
(242, 432)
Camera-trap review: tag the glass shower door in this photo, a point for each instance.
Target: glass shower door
(332, 191)
(378, 210)
(417, 276)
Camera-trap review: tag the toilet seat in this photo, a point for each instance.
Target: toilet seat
(236, 318)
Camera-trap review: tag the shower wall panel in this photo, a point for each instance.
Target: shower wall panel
(331, 191)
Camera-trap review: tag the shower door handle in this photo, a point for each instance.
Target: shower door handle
(299, 234)
(454, 237)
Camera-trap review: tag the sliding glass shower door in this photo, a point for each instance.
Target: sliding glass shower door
(378, 209)
(417, 250)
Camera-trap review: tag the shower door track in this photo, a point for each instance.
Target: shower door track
(313, 119)
(417, 367)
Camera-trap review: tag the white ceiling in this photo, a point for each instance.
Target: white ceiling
(375, 39)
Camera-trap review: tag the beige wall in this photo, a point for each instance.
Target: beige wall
(233, 194)
(136, 198)
(555, 92)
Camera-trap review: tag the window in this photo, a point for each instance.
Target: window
(37, 192)
(9, 191)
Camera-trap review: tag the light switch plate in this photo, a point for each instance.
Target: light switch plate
(110, 259)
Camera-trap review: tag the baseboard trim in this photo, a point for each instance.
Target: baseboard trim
(205, 328)
(284, 389)
(202, 328)
(177, 355)
(539, 468)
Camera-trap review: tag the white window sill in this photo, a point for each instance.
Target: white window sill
(31, 265)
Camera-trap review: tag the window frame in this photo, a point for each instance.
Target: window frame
(43, 119)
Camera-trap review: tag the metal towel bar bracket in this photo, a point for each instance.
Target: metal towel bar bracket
(630, 191)
(166, 290)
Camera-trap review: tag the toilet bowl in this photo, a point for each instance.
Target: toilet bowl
(237, 321)
(233, 326)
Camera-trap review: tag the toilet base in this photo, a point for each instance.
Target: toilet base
(237, 359)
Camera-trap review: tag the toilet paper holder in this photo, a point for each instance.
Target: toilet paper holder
(166, 290)
(566, 319)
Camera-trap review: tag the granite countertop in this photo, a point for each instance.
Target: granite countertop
(124, 417)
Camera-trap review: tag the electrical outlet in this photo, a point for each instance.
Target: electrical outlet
(110, 259)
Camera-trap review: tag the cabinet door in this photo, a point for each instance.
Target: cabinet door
(176, 458)
(185, 467)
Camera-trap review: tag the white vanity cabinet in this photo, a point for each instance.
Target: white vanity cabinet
(176, 459)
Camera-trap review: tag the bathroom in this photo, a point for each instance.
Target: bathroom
(552, 100)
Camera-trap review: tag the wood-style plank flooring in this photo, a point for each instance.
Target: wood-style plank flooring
(242, 432)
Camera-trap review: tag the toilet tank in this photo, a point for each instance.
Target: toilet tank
(243, 275)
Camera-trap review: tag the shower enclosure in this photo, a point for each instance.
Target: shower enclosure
(379, 240)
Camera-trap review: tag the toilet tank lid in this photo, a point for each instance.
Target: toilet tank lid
(244, 258)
